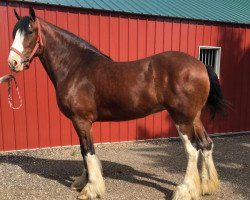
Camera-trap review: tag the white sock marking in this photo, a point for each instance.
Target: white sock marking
(190, 188)
(96, 186)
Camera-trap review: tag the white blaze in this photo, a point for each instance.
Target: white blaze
(18, 41)
(18, 45)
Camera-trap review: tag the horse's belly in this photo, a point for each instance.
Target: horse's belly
(128, 114)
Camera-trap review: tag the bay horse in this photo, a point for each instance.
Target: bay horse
(92, 87)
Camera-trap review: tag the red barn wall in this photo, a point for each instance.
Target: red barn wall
(39, 122)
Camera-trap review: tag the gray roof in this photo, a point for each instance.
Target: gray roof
(229, 11)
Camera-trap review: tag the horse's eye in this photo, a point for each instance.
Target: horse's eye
(30, 32)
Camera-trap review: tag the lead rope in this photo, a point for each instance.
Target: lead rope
(10, 99)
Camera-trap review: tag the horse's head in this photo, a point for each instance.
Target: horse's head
(27, 41)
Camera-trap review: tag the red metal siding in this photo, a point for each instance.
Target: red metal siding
(7, 116)
(54, 114)
(39, 122)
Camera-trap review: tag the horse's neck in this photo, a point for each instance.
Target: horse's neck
(60, 52)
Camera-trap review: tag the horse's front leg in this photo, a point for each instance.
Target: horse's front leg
(95, 186)
(82, 180)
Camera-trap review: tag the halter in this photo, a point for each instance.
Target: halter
(39, 43)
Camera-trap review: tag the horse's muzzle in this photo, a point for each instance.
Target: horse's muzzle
(12, 65)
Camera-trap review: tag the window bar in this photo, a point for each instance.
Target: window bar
(201, 55)
(209, 58)
(215, 59)
(212, 59)
(204, 56)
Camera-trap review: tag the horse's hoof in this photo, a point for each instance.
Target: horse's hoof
(78, 183)
(186, 192)
(90, 192)
(181, 193)
(210, 185)
(83, 197)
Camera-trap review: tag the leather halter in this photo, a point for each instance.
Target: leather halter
(39, 43)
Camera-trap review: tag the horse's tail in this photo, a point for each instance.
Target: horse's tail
(216, 101)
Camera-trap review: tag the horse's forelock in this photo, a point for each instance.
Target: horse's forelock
(22, 25)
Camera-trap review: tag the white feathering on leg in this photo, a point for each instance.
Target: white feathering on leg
(209, 176)
(95, 187)
(191, 186)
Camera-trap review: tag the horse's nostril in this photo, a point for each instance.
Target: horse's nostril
(14, 62)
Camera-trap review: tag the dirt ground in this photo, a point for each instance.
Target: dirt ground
(141, 170)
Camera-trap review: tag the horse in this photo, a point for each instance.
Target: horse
(91, 87)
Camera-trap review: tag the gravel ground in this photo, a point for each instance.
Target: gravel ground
(141, 170)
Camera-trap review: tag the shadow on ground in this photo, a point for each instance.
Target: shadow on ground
(231, 157)
(63, 170)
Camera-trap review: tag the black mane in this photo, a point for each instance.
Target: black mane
(78, 39)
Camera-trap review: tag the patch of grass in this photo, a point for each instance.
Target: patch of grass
(73, 153)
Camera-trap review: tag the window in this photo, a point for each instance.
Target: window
(211, 56)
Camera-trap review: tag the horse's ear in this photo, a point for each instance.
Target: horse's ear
(32, 13)
(16, 14)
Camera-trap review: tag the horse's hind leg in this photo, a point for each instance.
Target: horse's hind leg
(191, 187)
(95, 186)
(209, 176)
